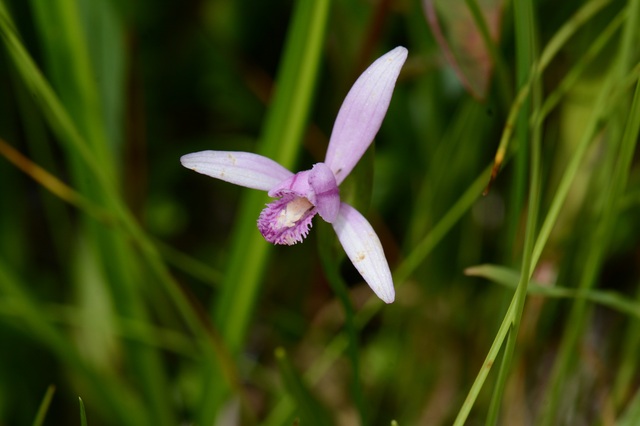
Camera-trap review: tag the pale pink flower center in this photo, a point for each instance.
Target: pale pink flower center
(292, 212)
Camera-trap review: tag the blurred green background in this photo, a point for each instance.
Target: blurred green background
(147, 291)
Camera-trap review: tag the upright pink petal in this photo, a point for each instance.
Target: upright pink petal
(362, 112)
(241, 168)
(363, 247)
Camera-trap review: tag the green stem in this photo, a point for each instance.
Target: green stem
(330, 264)
(281, 140)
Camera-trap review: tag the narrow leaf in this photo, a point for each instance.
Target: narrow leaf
(44, 406)
(83, 414)
(509, 278)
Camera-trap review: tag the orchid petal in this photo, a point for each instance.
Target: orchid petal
(296, 184)
(240, 168)
(364, 249)
(362, 112)
(325, 195)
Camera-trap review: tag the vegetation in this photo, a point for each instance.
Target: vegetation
(504, 186)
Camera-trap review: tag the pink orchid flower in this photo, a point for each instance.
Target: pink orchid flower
(300, 196)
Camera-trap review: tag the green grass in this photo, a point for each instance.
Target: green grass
(145, 291)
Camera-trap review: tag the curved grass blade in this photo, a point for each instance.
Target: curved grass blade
(509, 278)
(83, 414)
(44, 406)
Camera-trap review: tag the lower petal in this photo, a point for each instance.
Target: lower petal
(286, 220)
(364, 249)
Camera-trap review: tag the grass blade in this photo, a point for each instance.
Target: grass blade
(83, 414)
(281, 140)
(44, 406)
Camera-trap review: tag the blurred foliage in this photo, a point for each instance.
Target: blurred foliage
(119, 268)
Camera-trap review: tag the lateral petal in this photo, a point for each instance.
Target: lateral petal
(362, 112)
(325, 194)
(364, 249)
(295, 184)
(240, 168)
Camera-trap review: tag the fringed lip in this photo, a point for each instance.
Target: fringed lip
(287, 220)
